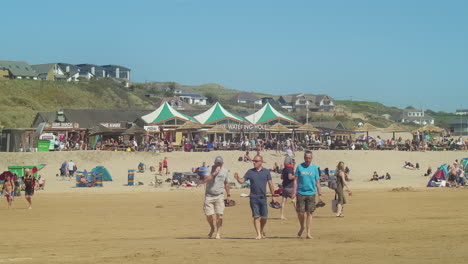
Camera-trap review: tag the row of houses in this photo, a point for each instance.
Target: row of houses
(291, 102)
(61, 71)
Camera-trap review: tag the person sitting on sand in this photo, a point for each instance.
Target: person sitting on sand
(276, 168)
(409, 166)
(452, 175)
(375, 177)
(388, 176)
(247, 157)
(141, 167)
(428, 172)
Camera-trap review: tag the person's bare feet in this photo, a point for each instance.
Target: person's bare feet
(283, 218)
(211, 233)
(263, 235)
(309, 236)
(258, 237)
(218, 236)
(299, 234)
(29, 208)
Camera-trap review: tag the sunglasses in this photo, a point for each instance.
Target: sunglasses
(256, 160)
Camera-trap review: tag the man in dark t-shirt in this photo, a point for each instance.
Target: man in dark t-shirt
(288, 183)
(259, 177)
(29, 184)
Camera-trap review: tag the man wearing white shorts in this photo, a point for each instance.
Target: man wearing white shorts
(216, 183)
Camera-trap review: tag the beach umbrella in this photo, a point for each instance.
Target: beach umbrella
(394, 128)
(218, 129)
(364, 137)
(134, 130)
(429, 128)
(278, 127)
(189, 126)
(5, 174)
(308, 128)
(366, 128)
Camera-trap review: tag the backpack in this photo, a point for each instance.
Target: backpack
(332, 182)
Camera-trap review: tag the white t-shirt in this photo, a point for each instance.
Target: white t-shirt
(71, 165)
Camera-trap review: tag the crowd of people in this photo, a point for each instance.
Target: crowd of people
(13, 185)
(150, 143)
(301, 184)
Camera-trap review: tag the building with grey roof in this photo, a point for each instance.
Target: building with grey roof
(17, 70)
(94, 70)
(49, 72)
(246, 98)
(117, 72)
(413, 116)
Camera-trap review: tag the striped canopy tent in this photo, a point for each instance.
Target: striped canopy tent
(366, 128)
(394, 128)
(218, 115)
(165, 115)
(268, 115)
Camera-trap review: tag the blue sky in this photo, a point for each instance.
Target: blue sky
(399, 53)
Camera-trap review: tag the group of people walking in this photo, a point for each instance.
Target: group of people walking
(9, 187)
(301, 184)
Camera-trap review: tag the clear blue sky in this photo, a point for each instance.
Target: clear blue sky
(398, 52)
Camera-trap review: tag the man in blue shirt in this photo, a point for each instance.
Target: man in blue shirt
(202, 171)
(259, 177)
(306, 186)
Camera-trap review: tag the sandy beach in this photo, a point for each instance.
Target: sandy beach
(143, 224)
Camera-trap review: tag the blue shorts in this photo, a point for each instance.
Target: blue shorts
(259, 207)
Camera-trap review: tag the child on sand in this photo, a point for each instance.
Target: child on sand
(160, 168)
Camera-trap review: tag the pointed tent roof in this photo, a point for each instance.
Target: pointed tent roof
(268, 113)
(217, 113)
(164, 113)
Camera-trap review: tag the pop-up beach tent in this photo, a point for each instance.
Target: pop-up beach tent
(464, 163)
(439, 177)
(105, 173)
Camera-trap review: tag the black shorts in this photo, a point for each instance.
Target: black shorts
(70, 172)
(165, 167)
(29, 191)
(287, 192)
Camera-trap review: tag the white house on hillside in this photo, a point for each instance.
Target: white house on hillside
(413, 116)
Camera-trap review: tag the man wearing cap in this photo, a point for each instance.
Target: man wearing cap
(216, 182)
(259, 178)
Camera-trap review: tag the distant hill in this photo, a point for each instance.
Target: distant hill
(20, 100)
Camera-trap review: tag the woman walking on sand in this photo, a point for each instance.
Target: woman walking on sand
(341, 183)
